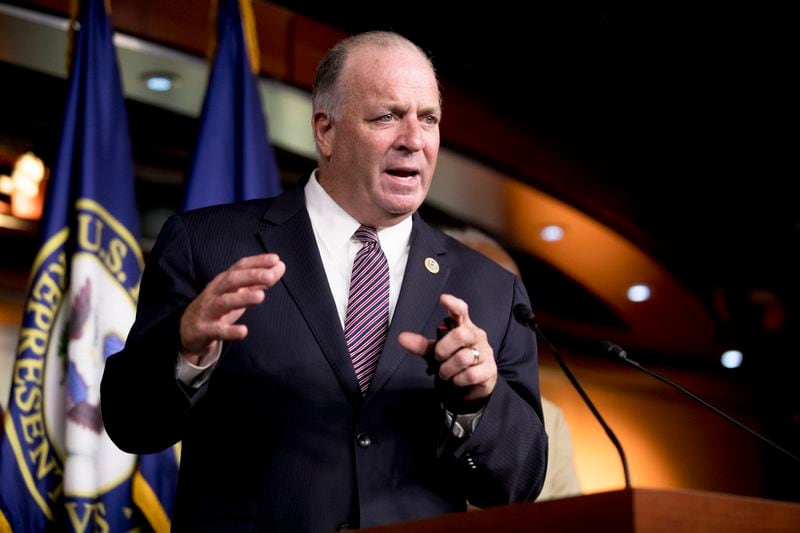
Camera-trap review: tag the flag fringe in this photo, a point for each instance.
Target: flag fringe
(148, 503)
(248, 27)
(5, 527)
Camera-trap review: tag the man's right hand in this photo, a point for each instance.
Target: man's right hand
(210, 318)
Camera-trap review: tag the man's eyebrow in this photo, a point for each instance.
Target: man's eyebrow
(402, 108)
(431, 110)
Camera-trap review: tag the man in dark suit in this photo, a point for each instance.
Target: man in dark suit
(298, 409)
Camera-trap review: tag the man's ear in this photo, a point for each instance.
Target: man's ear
(322, 124)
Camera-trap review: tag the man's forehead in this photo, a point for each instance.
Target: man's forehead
(380, 77)
(369, 56)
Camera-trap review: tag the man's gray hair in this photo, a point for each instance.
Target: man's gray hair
(326, 96)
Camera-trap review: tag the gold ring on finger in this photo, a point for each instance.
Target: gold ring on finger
(476, 356)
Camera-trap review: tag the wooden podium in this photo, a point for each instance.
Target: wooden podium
(622, 511)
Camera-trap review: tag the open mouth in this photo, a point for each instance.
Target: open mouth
(402, 172)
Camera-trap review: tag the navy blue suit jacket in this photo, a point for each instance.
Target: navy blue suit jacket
(280, 437)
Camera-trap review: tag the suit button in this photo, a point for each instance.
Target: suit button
(363, 440)
(344, 527)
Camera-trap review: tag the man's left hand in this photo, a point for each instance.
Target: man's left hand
(464, 353)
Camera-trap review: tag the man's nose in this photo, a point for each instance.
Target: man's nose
(410, 136)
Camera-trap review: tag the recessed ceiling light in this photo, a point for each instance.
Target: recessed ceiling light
(552, 233)
(160, 82)
(638, 292)
(732, 359)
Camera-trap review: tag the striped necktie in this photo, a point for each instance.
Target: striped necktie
(367, 319)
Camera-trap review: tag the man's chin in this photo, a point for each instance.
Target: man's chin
(403, 206)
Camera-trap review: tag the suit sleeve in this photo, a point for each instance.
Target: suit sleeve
(505, 459)
(143, 404)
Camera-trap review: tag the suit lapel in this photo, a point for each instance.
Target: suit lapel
(292, 238)
(419, 297)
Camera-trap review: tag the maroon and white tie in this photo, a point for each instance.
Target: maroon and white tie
(367, 320)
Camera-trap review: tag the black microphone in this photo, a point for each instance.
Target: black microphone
(618, 354)
(524, 315)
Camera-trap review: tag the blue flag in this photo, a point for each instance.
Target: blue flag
(233, 159)
(58, 469)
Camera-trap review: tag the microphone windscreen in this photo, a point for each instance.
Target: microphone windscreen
(613, 351)
(523, 314)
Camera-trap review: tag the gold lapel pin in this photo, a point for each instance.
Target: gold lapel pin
(432, 265)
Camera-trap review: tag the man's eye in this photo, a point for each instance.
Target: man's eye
(430, 120)
(386, 118)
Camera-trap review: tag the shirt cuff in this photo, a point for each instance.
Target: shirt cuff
(196, 375)
(464, 425)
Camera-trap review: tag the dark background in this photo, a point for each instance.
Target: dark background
(682, 121)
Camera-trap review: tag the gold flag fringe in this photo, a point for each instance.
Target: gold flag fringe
(248, 27)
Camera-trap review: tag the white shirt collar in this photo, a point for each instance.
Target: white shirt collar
(334, 226)
(333, 231)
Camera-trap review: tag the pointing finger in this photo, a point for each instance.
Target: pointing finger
(456, 308)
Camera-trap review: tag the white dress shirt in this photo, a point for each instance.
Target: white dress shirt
(333, 230)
